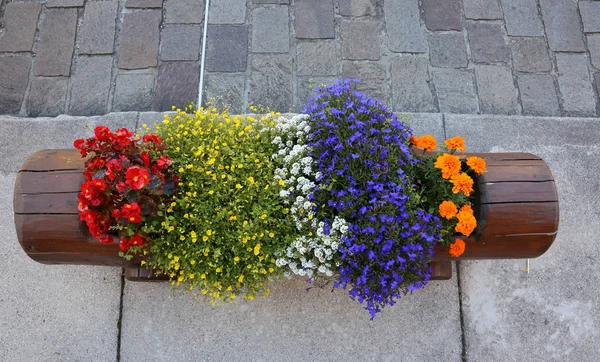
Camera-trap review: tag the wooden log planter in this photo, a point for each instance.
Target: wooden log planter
(517, 214)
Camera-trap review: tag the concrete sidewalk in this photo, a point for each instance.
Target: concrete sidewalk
(489, 311)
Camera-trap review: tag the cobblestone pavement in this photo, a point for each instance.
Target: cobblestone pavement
(86, 57)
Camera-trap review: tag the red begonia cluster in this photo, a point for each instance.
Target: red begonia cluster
(124, 181)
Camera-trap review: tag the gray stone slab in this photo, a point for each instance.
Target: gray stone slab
(563, 29)
(497, 93)
(90, 85)
(14, 76)
(405, 33)
(133, 92)
(442, 15)
(360, 40)
(425, 123)
(98, 28)
(19, 24)
(597, 84)
(143, 4)
(538, 94)
(530, 55)
(551, 312)
(180, 42)
(47, 96)
(64, 3)
(177, 85)
(482, 9)
(289, 319)
(593, 42)
(357, 7)
(278, 2)
(487, 42)
(521, 18)
(52, 312)
(590, 15)
(306, 88)
(225, 91)
(270, 30)
(447, 50)
(578, 98)
(271, 82)
(139, 39)
(184, 11)
(314, 19)
(455, 90)
(410, 84)
(372, 77)
(21, 137)
(316, 58)
(55, 46)
(227, 12)
(226, 48)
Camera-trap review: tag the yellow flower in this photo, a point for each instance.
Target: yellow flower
(251, 180)
(204, 238)
(176, 259)
(271, 235)
(233, 218)
(241, 278)
(182, 238)
(211, 192)
(236, 259)
(257, 249)
(218, 270)
(281, 182)
(263, 216)
(191, 276)
(209, 232)
(238, 186)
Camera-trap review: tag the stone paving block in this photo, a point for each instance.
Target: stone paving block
(357, 7)
(530, 55)
(14, 75)
(47, 97)
(139, 39)
(226, 48)
(270, 30)
(447, 50)
(133, 92)
(563, 29)
(283, 325)
(55, 46)
(64, 3)
(180, 42)
(442, 15)
(538, 94)
(360, 40)
(482, 9)
(184, 11)
(410, 84)
(306, 88)
(314, 19)
(90, 85)
(279, 2)
(271, 82)
(19, 22)
(316, 58)
(143, 4)
(593, 42)
(98, 29)
(227, 12)
(372, 77)
(425, 123)
(497, 93)
(177, 85)
(590, 15)
(575, 85)
(455, 90)
(521, 18)
(597, 84)
(225, 91)
(403, 24)
(487, 42)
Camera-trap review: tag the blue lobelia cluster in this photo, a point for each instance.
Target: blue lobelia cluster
(365, 177)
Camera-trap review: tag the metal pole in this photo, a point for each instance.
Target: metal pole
(201, 85)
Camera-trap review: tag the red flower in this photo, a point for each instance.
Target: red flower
(132, 212)
(99, 184)
(121, 187)
(151, 138)
(137, 177)
(163, 160)
(145, 158)
(80, 145)
(122, 137)
(106, 239)
(125, 244)
(103, 133)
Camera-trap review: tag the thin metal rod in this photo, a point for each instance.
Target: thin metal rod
(201, 85)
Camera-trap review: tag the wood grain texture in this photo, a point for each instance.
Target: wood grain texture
(54, 160)
(48, 182)
(518, 192)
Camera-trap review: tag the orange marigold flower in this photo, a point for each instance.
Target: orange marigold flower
(457, 248)
(466, 223)
(456, 143)
(477, 164)
(427, 142)
(448, 209)
(466, 208)
(449, 164)
(462, 183)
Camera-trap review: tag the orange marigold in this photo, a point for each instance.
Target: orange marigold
(457, 248)
(466, 208)
(466, 223)
(449, 164)
(427, 142)
(456, 143)
(448, 209)
(462, 183)
(477, 164)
